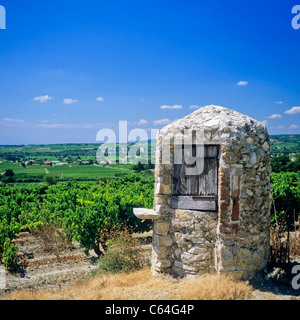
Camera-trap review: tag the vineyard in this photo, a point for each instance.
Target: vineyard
(87, 212)
(57, 220)
(83, 212)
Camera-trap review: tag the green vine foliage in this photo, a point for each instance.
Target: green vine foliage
(9, 259)
(285, 195)
(86, 211)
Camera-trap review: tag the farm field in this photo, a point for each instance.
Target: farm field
(71, 171)
(81, 171)
(49, 152)
(55, 151)
(74, 162)
(73, 156)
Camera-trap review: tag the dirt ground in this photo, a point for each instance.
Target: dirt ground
(56, 269)
(46, 269)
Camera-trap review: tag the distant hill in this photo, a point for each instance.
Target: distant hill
(280, 144)
(285, 144)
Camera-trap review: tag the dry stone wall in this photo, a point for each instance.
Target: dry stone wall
(235, 238)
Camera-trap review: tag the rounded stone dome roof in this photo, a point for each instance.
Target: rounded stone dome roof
(219, 124)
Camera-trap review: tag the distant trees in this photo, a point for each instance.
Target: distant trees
(284, 164)
(9, 173)
(142, 167)
(70, 160)
(8, 176)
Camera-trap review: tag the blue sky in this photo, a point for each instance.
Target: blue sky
(147, 62)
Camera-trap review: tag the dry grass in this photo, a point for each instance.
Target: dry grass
(141, 285)
(213, 287)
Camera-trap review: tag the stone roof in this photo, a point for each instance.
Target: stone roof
(219, 124)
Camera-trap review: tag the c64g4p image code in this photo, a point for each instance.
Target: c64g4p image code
(152, 309)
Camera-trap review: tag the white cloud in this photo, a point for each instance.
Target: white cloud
(175, 106)
(65, 126)
(294, 126)
(43, 99)
(161, 121)
(275, 116)
(278, 102)
(194, 107)
(100, 99)
(242, 83)
(142, 121)
(53, 126)
(69, 101)
(280, 127)
(293, 110)
(13, 120)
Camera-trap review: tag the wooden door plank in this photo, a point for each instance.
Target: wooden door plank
(190, 203)
(203, 184)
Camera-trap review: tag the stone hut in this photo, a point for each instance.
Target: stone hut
(214, 218)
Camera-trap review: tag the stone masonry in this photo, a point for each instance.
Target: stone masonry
(234, 238)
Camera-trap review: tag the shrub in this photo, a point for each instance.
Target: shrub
(50, 180)
(124, 254)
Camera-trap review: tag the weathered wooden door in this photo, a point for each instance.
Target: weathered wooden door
(197, 192)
